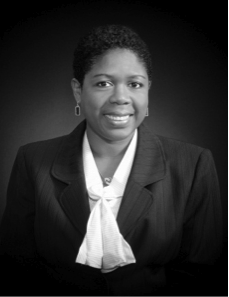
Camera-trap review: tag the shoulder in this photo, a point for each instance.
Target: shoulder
(53, 145)
(178, 146)
(171, 145)
(44, 152)
(39, 153)
(49, 146)
(188, 154)
(178, 152)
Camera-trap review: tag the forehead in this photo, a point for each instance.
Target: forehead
(118, 62)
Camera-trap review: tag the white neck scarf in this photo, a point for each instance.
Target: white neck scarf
(104, 246)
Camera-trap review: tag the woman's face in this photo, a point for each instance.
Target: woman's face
(114, 97)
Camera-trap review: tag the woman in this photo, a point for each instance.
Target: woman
(112, 209)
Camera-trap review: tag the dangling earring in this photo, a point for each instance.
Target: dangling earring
(77, 109)
(147, 112)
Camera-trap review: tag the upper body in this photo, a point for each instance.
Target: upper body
(170, 214)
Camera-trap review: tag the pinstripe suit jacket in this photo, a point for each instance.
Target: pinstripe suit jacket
(170, 215)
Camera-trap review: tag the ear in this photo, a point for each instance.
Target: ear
(149, 84)
(76, 88)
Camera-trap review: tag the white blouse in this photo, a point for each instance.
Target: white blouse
(103, 246)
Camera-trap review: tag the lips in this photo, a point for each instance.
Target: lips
(118, 118)
(118, 113)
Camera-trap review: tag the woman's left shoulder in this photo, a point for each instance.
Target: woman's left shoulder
(179, 145)
(175, 149)
(171, 145)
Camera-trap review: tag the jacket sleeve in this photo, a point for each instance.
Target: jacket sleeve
(194, 272)
(17, 227)
(21, 268)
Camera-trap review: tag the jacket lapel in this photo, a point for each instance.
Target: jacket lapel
(148, 168)
(68, 168)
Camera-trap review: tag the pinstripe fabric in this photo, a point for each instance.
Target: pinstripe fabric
(170, 215)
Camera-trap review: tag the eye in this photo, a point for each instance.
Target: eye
(104, 84)
(136, 85)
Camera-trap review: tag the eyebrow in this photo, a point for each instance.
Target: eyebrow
(110, 76)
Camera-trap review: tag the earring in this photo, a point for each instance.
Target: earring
(147, 112)
(77, 110)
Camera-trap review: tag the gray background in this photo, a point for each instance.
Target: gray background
(188, 98)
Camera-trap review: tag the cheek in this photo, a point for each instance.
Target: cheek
(141, 104)
(90, 104)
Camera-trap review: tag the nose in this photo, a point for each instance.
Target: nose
(120, 95)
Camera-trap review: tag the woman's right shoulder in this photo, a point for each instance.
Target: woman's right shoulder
(40, 150)
(53, 145)
(43, 144)
(45, 151)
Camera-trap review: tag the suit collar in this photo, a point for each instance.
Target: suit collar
(68, 165)
(149, 167)
(149, 164)
(68, 168)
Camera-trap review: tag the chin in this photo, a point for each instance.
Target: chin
(119, 134)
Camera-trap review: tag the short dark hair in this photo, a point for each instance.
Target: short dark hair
(104, 38)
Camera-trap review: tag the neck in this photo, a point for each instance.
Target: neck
(104, 148)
